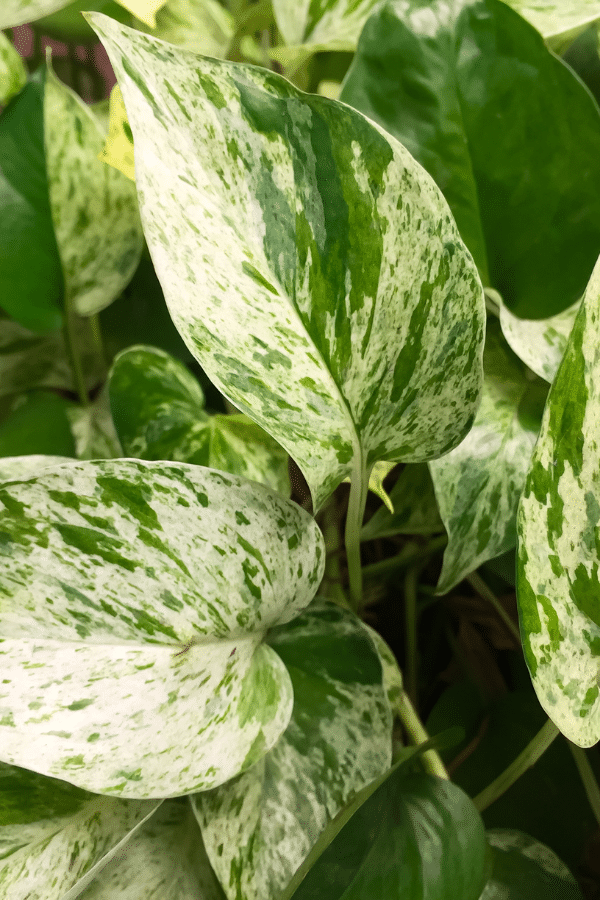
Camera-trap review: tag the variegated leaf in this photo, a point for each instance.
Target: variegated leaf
(557, 21)
(53, 836)
(14, 468)
(311, 266)
(415, 507)
(13, 74)
(94, 207)
(118, 148)
(558, 585)
(519, 860)
(203, 26)
(540, 343)
(18, 12)
(94, 430)
(158, 409)
(315, 27)
(478, 485)
(165, 861)
(259, 827)
(391, 674)
(135, 599)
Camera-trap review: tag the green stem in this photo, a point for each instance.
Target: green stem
(69, 336)
(410, 631)
(331, 534)
(415, 729)
(588, 778)
(477, 582)
(359, 485)
(530, 755)
(97, 336)
(410, 553)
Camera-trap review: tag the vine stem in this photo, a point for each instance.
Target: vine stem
(529, 756)
(477, 582)
(359, 486)
(331, 534)
(416, 730)
(69, 336)
(587, 777)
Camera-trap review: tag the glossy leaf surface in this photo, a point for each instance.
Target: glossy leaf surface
(292, 241)
(259, 827)
(13, 74)
(474, 94)
(53, 835)
(165, 861)
(478, 485)
(525, 869)
(416, 837)
(540, 343)
(158, 409)
(558, 571)
(415, 507)
(141, 593)
(94, 207)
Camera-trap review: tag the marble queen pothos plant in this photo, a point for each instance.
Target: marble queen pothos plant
(181, 714)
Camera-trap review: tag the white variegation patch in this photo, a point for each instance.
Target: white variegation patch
(309, 263)
(135, 600)
(54, 857)
(558, 587)
(13, 74)
(14, 468)
(18, 12)
(165, 861)
(259, 828)
(508, 849)
(94, 207)
(540, 343)
(478, 484)
(558, 22)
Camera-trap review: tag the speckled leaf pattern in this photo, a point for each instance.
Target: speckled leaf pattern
(321, 21)
(557, 21)
(415, 507)
(478, 485)
(29, 360)
(94, 207)
(558, 589)
(19, 467)
(391, 674)
(203, 26)
(135, 599)
(259, 827)
(165, 861)
(18, 12)
(94, 430)
(118, 148)
(540, 343)
(13, 74)
(158, 409)
(521, 863)
(52, 835)
(309, 263)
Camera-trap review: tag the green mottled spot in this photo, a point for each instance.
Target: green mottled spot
(241, 519)
(74, 761)
(93, 737)
(80, 704)
(255, 275)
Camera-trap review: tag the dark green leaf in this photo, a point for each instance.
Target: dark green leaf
(39, 424)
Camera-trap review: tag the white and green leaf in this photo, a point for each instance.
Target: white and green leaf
(94, 207)
(518, 862)
(540, 343)
(158, 409)
(558, 570)
(259, 828)
(18, 12)
(310, 265)
(14, 468)
(203, 26)
(478, 484)
(165, 861)
(135, 600)
(558, 22)
(53, 836)
(93, 429)
(13, 74)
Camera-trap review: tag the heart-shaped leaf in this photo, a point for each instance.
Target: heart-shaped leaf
(474, 94)
(309, 264)
(158, 410)
(165, 861)
(136, 597)
(478, 485)
(259, 827)
(558, 568)
(54, 836)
